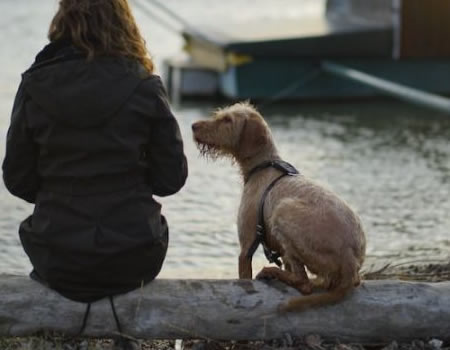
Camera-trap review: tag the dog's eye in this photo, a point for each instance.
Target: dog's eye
(227, 119)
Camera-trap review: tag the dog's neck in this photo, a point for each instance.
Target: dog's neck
(247, 164)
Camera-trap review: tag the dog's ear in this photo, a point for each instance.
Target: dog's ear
(254, 136)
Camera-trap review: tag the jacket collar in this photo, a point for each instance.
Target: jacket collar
(57, 51)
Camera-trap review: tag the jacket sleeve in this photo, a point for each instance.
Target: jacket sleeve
(165, 153)
(20, 172)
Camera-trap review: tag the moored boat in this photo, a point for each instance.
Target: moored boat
(404, 42)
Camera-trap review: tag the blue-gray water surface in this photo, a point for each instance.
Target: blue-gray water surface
(389, 161)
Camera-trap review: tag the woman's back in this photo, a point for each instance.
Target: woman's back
(97, 118)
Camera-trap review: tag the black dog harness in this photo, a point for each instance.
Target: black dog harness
(287, 170)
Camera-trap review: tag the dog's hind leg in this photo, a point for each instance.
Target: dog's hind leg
(298, 281)
(288, 266)
(320, 282)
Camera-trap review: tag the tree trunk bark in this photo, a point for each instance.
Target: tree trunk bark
(377, 311)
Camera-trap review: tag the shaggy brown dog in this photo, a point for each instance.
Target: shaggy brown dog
(308, 225)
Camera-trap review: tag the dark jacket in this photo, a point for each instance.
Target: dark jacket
(90, 143)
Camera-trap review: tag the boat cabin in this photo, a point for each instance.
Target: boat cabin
(405, 41)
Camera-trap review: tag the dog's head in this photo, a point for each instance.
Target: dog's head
(238, 131)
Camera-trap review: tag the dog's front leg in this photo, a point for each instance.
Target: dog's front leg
(245, 266)
(246, 231)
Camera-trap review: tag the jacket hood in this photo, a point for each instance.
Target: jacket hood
(81, 93)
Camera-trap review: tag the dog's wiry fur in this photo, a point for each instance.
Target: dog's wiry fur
(306, 223)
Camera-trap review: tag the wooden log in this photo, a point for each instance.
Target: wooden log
(378, 311)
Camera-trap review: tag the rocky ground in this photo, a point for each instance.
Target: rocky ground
(410, 272)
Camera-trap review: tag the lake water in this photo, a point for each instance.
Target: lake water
(389, 161)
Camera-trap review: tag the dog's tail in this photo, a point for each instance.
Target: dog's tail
(347, 279)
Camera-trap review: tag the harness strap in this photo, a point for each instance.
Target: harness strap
(278, 164)
(287, 170)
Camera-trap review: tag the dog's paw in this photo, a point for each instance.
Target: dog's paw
(267, 273)
(263, 277)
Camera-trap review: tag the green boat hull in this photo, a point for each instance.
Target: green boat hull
(304, 79)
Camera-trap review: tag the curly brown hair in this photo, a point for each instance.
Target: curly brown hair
(100, 27)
